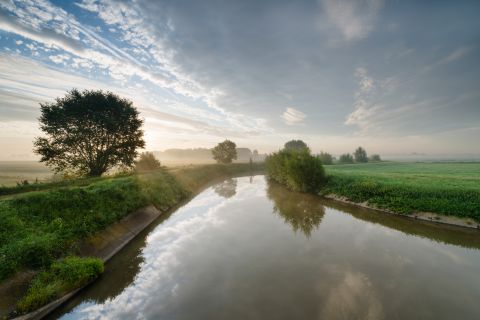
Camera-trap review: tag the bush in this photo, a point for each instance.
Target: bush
(326, 158)
(297, 170)
(147, 162)
(375, 158)
(62, 277)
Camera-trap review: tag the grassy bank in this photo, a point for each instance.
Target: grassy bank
(443, 188)
(60, 278)
(37, 228)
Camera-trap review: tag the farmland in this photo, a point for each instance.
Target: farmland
(451, 188)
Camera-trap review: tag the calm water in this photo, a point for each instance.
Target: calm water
(246, 250)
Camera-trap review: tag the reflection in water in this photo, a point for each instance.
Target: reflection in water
(226, 189)
(218, 258)
(301, 210)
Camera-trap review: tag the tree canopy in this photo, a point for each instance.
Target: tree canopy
(296, 145)
(89, 132)
(225, 152)
(345, 158)
(360, 155)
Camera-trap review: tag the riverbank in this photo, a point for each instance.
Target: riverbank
(444, 192)
(39, 227)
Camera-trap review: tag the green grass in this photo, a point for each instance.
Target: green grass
(38, 227)
(444, 188)
(63, 276)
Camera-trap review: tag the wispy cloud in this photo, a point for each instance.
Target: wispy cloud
(293, 116)
(353, 18)
(455, 55)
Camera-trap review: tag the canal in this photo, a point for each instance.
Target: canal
(244, 249)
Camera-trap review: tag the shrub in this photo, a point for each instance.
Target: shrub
(326, 158)
(375, 158)
(62, 277)
(296, 145)
(297, 170)
(147, 162)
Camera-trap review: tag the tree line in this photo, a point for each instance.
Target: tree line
(90, 132)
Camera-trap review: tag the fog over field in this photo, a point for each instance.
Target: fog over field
(400, 78)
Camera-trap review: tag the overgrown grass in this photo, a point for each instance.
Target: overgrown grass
(37, 228)
(63, 276)
(444, 188)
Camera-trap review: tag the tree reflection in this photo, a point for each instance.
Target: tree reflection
(226, 189)
(302, 211)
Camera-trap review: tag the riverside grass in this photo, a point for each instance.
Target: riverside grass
(37, 228)
(61, 277)
(442, 188)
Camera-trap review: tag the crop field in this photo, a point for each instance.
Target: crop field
(451, 188)
(456, 175)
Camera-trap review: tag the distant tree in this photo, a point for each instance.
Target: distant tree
(326, 158)
(375, 158)
(147, 162)
(346, 158)
(296, 145)
(89, 132)
(360, 155)
(225, 152)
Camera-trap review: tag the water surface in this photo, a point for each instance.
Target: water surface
(245, 250)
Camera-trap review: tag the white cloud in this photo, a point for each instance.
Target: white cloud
(293, 116)
(353, 18)
(60, 58)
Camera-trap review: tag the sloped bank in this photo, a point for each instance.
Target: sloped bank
(93, 220)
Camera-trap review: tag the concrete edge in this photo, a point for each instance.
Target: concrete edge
(47, 309)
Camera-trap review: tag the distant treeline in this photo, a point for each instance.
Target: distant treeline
(204, 155)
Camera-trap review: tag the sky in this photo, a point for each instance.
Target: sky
(397, 77)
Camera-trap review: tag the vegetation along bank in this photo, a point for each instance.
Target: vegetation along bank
(445, 189)
(38, 228)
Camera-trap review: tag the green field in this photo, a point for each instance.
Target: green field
(451, 188)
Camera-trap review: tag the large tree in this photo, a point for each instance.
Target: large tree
(225, 152)
(89, 132)
(296, 145)
(360, 155)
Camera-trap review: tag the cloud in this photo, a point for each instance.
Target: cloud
(353, 18)
(293, 116)
(455, 55)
